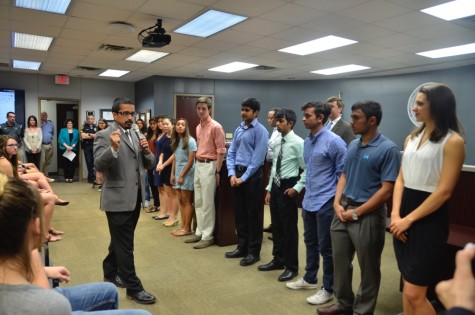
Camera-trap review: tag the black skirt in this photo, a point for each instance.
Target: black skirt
(419, 258)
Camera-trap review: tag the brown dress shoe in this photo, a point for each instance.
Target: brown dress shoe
(333, 310)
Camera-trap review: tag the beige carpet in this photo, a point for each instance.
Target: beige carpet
(186, 280)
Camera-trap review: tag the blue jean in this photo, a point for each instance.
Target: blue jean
(147, 188)
(95, 298)
(318, 242)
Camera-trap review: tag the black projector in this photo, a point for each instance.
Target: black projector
(155, 40)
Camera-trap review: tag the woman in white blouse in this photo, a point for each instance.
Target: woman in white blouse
(32, 140)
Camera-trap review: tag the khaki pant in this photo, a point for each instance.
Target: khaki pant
(205, 189)
(46, 157)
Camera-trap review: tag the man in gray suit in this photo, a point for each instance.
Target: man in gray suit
(122, 156)
(336, 124)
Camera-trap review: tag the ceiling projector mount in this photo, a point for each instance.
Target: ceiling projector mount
(154, 36)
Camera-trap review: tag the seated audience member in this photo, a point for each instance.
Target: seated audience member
(24, 286)
(458, 293)
(8, 165)
(21, 223)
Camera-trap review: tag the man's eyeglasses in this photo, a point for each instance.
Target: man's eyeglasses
(12, 145)
(133, 114)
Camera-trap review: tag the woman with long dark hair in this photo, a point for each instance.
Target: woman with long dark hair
(431, 165)
(183, 168)
(32, 140)
(152, 134)
(164, 167)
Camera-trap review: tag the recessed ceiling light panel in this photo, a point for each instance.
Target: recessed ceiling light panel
(53, 6)
(28, 41)
(233, 67)
(113, 73)
(318, 45)
(147, 56)
(209, 23)
(27, 65)
(449, 51)
(452, 10)
(341, 69)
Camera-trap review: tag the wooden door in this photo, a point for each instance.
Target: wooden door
(185, 107)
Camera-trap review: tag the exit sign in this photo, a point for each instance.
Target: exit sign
(61, 79)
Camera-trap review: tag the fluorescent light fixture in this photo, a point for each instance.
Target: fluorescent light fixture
(452, 10)
(209, 23)
(449, 51)
(147, 56)
(341, 69)
(29, 41)
(318, 45)
(233, 67)
(113, 73)
(28, 65)
(53, 6)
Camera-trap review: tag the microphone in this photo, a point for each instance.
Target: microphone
(135, 128)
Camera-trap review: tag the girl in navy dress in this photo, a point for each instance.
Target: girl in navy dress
(164, 167)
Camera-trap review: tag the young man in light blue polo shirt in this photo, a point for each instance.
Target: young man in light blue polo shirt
(359, 224)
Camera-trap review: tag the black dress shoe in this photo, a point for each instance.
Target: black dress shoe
(235, 254)
(287, 275)
(249, 260)
(273, 265)
(143, 297)
(117, 281)
(268, 229)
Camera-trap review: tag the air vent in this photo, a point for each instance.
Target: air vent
(87, 68)
(4, 65)
(115, 48)
(264, 68)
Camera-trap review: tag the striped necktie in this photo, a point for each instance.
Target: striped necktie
(278, 164)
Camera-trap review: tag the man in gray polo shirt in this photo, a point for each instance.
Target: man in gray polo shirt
(367, 182)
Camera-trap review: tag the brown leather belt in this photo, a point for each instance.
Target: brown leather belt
(205, 160)
(352, 203)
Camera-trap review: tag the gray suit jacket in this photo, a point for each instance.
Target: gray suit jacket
(343, 129)
(122, 175)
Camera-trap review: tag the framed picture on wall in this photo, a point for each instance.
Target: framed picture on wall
(106, 114)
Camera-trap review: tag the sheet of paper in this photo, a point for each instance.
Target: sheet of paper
(69, 155)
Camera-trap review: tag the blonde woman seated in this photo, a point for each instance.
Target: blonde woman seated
(9, 149)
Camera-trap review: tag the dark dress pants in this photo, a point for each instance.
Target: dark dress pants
(284, 218)
(249, 219)
(89, 157)
(153, 188)
(69, 167)
(120, 259)
(34, 158)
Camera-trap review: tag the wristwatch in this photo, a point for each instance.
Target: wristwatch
(354, 216)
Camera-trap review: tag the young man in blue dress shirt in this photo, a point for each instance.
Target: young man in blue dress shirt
(324, 155)
(245, 159)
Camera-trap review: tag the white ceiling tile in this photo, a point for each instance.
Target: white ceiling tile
(179, 10)
(388, 32)
(409, 21)
(373, 11)
(260, 26)
(248, 7)
(293, 14)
